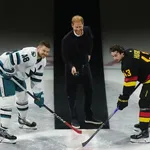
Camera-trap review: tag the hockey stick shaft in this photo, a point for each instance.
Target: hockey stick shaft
(86, 142)
(58, 117)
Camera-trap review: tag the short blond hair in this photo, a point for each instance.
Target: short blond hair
(77, 18)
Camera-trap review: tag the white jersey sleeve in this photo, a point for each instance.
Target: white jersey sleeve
(27, 57)
(36, 77)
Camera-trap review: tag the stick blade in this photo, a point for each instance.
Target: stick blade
(79, 131)
(76, 130)
(84, 144)
(87, 141)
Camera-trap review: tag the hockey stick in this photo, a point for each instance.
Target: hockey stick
(58, 117)
(101, 126)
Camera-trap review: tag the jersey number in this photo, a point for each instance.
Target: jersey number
(25, 58)
(127, 73)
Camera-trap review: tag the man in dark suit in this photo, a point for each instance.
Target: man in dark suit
(76, 52)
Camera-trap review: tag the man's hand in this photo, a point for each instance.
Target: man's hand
(73, 70)
(89, 58)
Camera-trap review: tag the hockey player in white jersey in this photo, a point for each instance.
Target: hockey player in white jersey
(21, 64)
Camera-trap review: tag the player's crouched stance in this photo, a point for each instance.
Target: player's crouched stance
(22, 64)
(135, 66)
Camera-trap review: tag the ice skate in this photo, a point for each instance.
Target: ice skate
(5, 137)
(142, 137)
(26, 124)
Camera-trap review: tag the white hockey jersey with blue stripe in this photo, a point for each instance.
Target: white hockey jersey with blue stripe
(26, 65)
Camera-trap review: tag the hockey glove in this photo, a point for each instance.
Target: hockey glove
(40, 99)
(122, 102)
(6, 73)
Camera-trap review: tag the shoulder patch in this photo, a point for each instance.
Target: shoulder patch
(136, 54)
(33, 54)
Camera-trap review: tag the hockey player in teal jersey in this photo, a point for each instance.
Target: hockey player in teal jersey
(22, 64)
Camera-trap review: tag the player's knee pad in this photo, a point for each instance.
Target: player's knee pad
(6, 104)
(22, 103)
(22, 97)
(144, 103)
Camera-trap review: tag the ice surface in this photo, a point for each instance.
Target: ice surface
(47, 138)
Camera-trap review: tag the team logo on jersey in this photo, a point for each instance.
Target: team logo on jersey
(33, 54)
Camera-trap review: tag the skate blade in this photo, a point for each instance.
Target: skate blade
(143, 140)
(4, 140)
(26, 127)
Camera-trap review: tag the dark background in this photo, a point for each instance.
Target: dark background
(64, 11)
(25, 23)
(125, 22)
